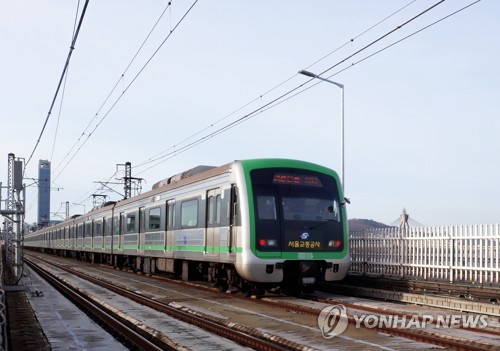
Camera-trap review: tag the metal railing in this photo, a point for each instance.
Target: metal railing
(457, 253)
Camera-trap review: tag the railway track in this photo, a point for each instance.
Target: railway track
(486, 293)
(120, 327)
(147, 340)
(452, 340)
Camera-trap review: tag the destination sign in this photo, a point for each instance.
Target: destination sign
(296, 179)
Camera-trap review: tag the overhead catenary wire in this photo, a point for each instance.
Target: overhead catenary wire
(64, 87)
(66, 65)
(370, 56)
(155, 157)
(350, 41)
(295, 91)
(176, 150)
(120, 79)
(126, 88)
(285, 96)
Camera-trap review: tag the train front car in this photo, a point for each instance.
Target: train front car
(297, 225)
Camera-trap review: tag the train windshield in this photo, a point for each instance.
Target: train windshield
(297, 205)
(296, 210)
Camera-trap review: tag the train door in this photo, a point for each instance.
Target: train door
(142, 220)
(122, 231)
(170, 225)
(212, 223)
(233, 212)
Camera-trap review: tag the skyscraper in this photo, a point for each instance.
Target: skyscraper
(43, 193)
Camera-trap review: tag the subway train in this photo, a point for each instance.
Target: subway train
(250, 225)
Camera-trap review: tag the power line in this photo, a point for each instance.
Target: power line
(72, 47)
(127, 87)
(187, 147)
(64, 88)
(282, 98)
(367, 57)
(359, 35)
(157, 156)
(382, 37)
(290, 94)
(115, 86)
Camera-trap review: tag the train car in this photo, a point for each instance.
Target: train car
(249, 225)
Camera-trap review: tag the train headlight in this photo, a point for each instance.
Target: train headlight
(334, 243)
(272, 243)
(268, 242)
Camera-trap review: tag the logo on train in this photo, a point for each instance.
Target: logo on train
(332, 321)
(304, 235)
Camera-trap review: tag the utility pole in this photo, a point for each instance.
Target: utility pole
(67, 210)
(127, 185)
(127, 180)
(14, 219)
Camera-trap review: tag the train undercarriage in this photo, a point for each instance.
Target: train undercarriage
(298, 276)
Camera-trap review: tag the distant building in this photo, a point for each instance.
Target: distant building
(43, 193)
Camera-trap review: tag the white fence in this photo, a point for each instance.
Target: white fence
(458, 253)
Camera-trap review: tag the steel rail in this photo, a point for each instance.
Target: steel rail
(417, 335)
(471, 292)
(120, 327)
(240, 334)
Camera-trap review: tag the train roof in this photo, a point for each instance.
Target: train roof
(185, 178)
(181, 179)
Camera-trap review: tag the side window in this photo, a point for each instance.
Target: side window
(154, 218)
(108, 226)
(210, 210)
(131, 222)
(97, 228)
(88, 229)
(189, 214)
(116, 225)
(218, 205)
(266, 207)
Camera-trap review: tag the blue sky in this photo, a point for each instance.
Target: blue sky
(421, 117)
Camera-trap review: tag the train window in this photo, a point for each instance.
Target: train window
(88, 230)
(116, 225)
(97, 228)
(108, 226)
(211, 210)
(131, 223)
(310, 208)
(154, 218)
(218, 204)
(189, 214)
(266, 207)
